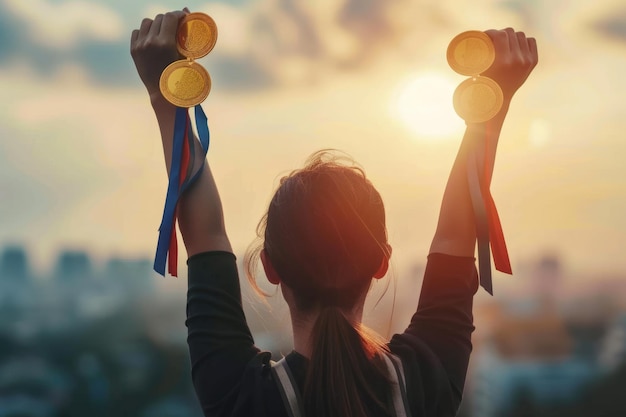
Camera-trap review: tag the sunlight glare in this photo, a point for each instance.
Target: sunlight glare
(423, 103)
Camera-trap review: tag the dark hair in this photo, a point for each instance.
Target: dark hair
(325, 235)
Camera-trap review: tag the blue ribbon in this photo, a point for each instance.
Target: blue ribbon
(175, 189)
(202, 126)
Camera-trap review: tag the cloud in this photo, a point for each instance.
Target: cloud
(48, 37)
(613, 25)
(282, 42)
(263, 43)
(63, 25)
(299, 41)
(104, 58)
(297, 35)
(9, 34)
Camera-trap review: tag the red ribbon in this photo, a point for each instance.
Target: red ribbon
(488, 228)
(496, 236)
(172, 264)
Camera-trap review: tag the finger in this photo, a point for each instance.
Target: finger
(512, 38)
(133, 41)
(500, 41)
(170, 24)
(145, 27)
(523, 44)
(532, 47)
(156, 25)
(186, 10)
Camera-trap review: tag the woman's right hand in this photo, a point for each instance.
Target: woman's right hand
(516, 57)
(153, 47)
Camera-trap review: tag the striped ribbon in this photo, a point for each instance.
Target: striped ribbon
(488, 226)
(181, 177)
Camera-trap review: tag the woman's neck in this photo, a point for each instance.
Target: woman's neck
(302, 326)
(302, 323)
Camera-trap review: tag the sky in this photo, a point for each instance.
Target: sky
(81, 161)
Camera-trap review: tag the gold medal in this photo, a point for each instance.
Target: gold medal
(185, 83)
(477, 100)
(471, 53)
(196, 36)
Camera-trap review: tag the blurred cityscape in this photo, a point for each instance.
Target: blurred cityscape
(90, 341)
(87, 339)
(556, 349)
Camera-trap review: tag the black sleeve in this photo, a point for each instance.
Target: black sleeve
(443, 322)
(220, 343)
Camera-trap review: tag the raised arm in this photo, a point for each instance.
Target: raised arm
(516, 56)
(220, 343)
(443, 320)
(200, 215)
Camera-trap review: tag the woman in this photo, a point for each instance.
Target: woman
(323, 241)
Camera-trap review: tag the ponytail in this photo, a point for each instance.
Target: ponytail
(346, 374)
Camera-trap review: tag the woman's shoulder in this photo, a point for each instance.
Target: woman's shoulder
(254, 394)
(426, 380)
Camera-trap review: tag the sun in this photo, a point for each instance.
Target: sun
(423, 104)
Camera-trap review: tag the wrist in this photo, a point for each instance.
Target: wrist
(497, 120)
(164, 111)
(159, 102)
(156, 96)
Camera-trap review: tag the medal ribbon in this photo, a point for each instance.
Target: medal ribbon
(183, 152)
(488, 227)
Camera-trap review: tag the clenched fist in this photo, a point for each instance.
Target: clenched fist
(153, 47)
(516, 56)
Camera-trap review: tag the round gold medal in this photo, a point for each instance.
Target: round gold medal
(471, 53)
(477, 100)
(196, 36)
(185, 83)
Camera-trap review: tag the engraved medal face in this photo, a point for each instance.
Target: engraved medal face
(471, 53)
(196, 36)
(185, 83)
(477, 100)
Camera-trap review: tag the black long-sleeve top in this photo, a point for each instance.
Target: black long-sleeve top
(232, 377)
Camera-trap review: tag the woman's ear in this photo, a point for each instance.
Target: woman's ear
(270, 272)
(384, 264)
